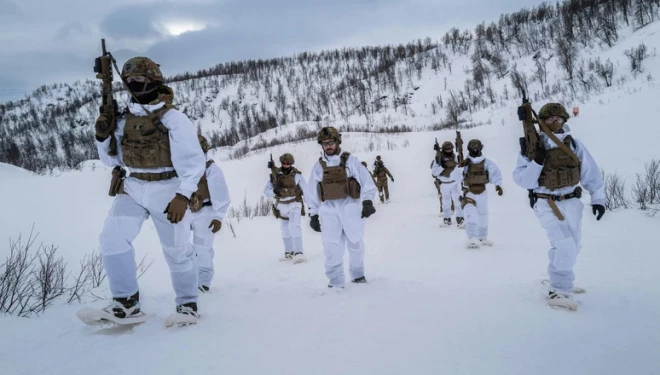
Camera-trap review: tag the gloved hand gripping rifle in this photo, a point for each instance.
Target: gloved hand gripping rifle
(109, 110)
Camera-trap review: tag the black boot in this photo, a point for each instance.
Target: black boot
(360, 280)
(129, 306)
(189, 308)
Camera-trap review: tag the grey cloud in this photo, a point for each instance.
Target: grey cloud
(8, 9)
(68, 30)
(133, 22)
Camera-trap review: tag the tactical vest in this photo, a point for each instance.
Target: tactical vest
(288, 186)
(560, 169)
(197, 198)
(144, 144)
(476, 177)
(335, 183)
(450, 165)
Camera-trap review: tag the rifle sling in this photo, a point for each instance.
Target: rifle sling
(554, 138)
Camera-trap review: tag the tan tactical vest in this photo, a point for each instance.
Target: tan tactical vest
(476, 177)
(450, 165)
(288, 186)
(335, 183)
(145, 145)
(560, 169)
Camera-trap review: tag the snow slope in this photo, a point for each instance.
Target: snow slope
(431, 306)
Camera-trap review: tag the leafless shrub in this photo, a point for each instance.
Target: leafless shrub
(615, 191)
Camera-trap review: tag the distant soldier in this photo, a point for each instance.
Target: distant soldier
(381, 173)
(449, 178)
(478, 172)
(286, 184)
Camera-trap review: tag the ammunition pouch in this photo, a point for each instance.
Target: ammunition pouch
(117, 181)
(477, 188)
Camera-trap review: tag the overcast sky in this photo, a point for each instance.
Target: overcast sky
(48, 41)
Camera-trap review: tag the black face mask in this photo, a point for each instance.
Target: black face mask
(448, 153)
(286, 170)
(145, 93)
(475, 153)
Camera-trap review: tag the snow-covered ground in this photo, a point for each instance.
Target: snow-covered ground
(431, 305)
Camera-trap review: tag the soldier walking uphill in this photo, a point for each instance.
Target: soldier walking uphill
(478, 172)
(159, 144)
(381, 173)
(344, 200)
(558, 165)
(286, 184)
(445, 171)
(208, 206)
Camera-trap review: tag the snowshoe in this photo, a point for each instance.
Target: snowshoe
(485, 242)
(561, 300)
(299, 258)
(473, 243)
(287, 256)
(186, 314)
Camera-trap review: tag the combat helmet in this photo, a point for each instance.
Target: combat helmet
(447, 146)
(204, 143)
(377, 157)
(143, 67)
(553, 109)
(329, 132)
(474, 147)
(287, 158)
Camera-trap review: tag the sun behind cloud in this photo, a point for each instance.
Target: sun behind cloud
(176, 28)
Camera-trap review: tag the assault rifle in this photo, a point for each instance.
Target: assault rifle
(109, 110)
(530, 142)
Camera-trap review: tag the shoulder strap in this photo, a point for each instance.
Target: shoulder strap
(344, 158)
(323, 163)
(554, 138)
(209, 162)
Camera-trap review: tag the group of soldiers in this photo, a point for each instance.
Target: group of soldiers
(172, 181)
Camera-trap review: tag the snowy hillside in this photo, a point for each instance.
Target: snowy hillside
(431, 306)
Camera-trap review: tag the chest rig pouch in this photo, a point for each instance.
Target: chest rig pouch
(288, 186)
(335, 183)
(560, 168)
(146, 143)
(197, 198)
(476, 177)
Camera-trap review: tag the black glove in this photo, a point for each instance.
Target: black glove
(436, 147)
(598, 209)
(392, 179)
(367, 208)
(314, 223)
(271, 164)
(276, 189)
(540, 155)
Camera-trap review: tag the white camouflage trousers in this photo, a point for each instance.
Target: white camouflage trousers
(451, 192)
(564, 237)
(336, 242)
(203, 244)
(476, 218)
(123, 224)
(291, 232)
